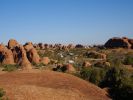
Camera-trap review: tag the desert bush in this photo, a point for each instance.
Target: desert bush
(119, 82)
(39, 65)
(118, 79)
(94, 75)
(102, 64)
(2, 93)
(10, 67)
(115, 58)
(128, 60)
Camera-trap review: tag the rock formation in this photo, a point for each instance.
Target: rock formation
(6, 56)
(119, 43)
(12, 43)
(32, 53)
(25, 64)
(33, 56)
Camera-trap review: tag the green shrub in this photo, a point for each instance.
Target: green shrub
(10, 68)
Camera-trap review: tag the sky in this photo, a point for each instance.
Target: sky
(65, 21)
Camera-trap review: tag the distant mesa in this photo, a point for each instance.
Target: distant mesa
(117, 42)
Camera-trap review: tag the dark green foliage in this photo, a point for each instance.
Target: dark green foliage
(60, 68)
(2, 93)
(117, 79)
(85, 73)
(128, 60)
(10, 68)
(112, 78)
(120, 84)
(94, 75)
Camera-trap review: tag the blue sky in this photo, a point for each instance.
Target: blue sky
(65, 21)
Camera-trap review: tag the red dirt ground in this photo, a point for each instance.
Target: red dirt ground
(48, 85)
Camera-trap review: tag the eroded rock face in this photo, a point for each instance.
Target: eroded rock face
(17, 55)
(12, 43)
(118, 43)
(33, 56)
(6, 56)
(31, 52)
(28, 46)
(25, 64)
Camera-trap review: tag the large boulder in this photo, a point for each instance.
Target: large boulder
(68, 68)
(118, 43)
(45, 60)
(12, 43)
(86, 64)
(28, 46)
(96, 55)
(6, 56)
(131, 42)
(33, 56)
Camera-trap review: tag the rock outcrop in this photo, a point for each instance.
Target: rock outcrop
(17, 54)
(32, 53)
(25, 64)
(6, 56)
(28, 46)
(33, 56)
(12, 43)
(119, 43)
